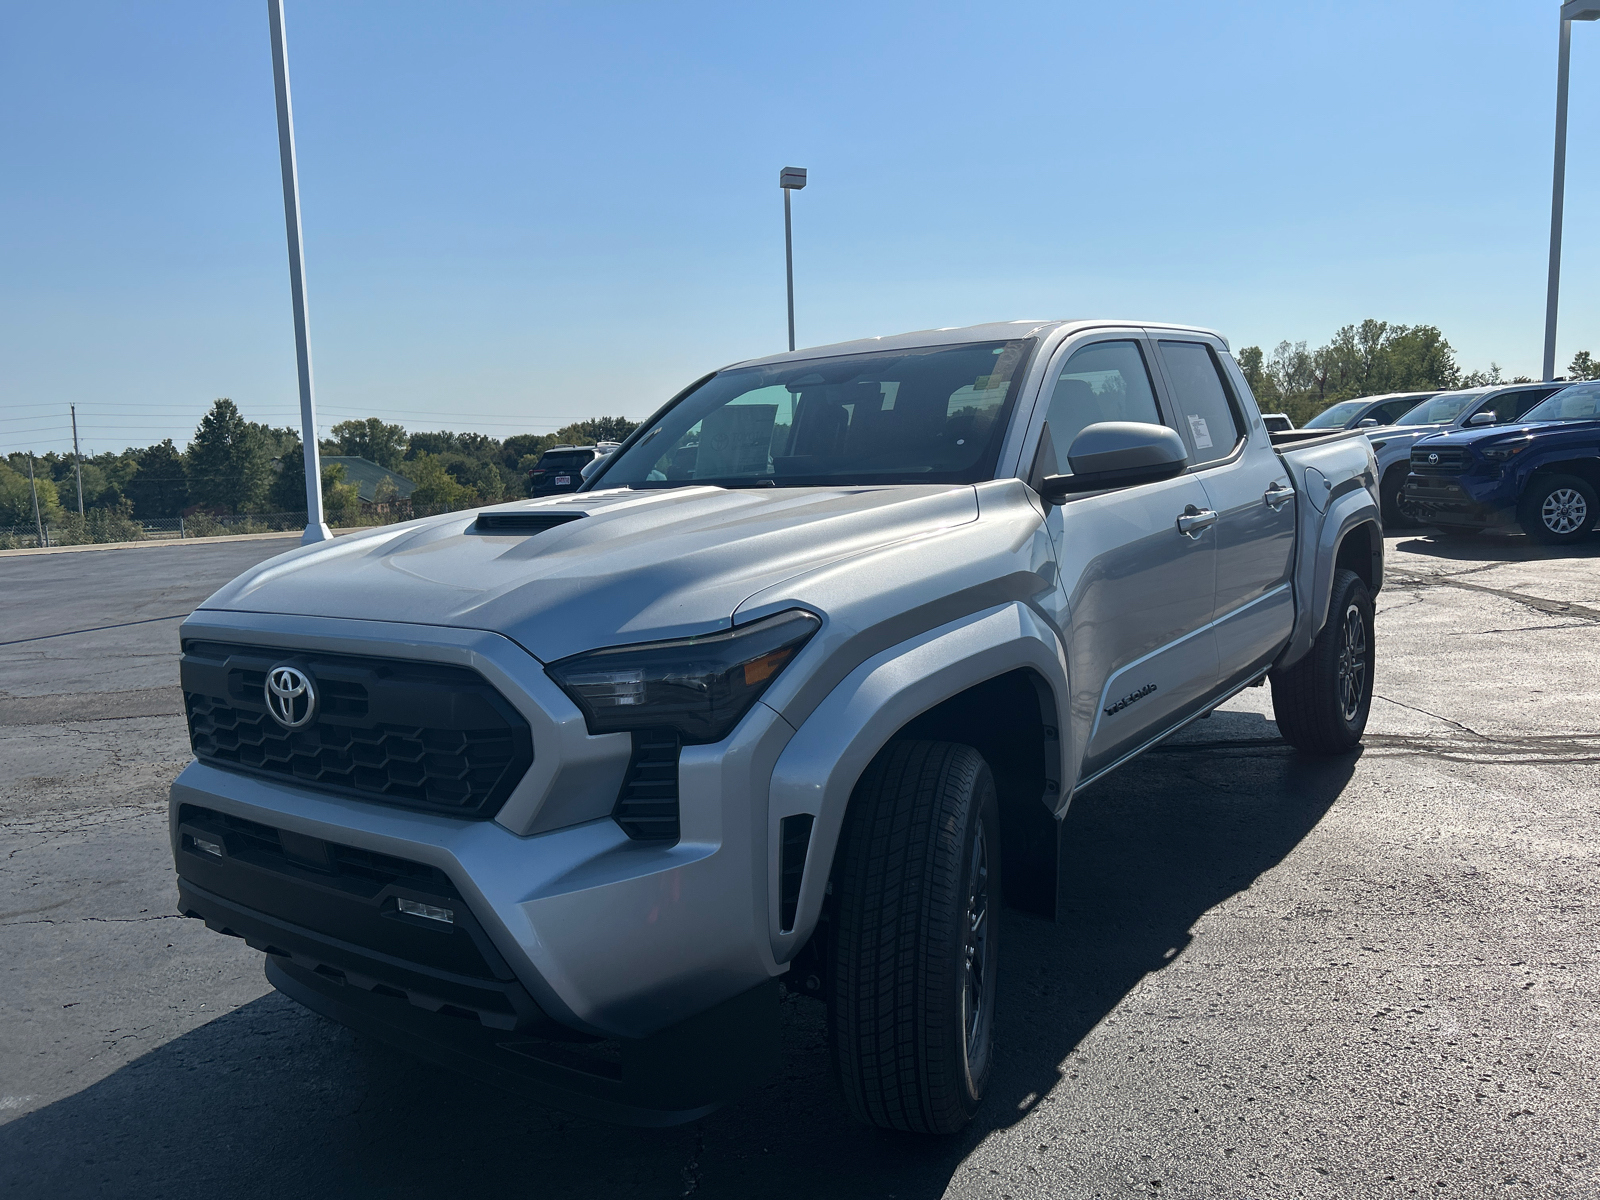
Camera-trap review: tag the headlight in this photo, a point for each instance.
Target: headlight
(1501, 453)
(698, 686)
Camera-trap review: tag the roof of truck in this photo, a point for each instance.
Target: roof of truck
(993, 331)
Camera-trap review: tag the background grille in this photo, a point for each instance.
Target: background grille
(647, 807)
(1451, 459)
(418, 735)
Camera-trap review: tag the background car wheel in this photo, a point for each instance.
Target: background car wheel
(1389, 494)
(914, 944)
(1558, 509)
(1321, 702)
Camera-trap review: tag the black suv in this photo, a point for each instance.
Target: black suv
(560, 468)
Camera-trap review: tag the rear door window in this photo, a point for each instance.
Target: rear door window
(1103, 381)
(1394, 410)
(1207, 416)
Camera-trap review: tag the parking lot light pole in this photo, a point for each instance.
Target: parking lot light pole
(790, 179)
(1575, 10)
(316, 528)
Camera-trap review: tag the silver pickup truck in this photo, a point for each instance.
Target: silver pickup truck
(796, 689)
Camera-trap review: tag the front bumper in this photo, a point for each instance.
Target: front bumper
(342, 933)
(1444, 500)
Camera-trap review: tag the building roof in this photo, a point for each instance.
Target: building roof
(366, 475)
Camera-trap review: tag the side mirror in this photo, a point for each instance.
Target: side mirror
(1368, 423)
(1483, 418)
(1114, 454)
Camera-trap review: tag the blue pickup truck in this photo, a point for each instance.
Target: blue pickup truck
(1543, 473)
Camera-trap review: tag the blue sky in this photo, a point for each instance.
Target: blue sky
(518, 215)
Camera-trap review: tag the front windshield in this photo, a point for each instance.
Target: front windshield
(1338, 416)
(935, 414)
(1440, 410)
(1580, 402)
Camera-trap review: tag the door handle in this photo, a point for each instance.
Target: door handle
(1277, 495)
(1193, 521)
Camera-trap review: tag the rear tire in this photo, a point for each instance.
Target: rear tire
(1321, 703)
(1558, 510)
(915, 951)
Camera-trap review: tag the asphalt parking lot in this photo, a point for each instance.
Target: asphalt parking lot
(1374, 976)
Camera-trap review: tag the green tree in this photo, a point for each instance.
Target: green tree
(596, 429)
(159, 485)
(370, 439)
(341, 501)
(229, 460)
(1583, 367)
(437, 489)
(16, 498)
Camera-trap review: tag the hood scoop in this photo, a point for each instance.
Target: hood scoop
(523, 522)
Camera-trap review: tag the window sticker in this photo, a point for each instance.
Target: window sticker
(1202, 435)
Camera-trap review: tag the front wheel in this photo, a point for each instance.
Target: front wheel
(1391, 494)
(915, 947)
(1558, 510)
(1321, 702)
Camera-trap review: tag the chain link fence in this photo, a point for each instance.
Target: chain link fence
(99, 526)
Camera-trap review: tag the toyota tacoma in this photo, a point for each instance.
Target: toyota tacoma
(797, 689)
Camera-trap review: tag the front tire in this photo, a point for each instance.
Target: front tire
(915, 948)
(1558, 510)
(1321, 702)
(1391, 495)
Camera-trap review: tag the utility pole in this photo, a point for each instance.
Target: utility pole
(77, 459)
(316, 528)
(790, 179)
(38, 521)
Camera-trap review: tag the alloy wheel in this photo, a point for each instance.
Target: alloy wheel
(1352, 670)
(976, 1001)
(1564, 511)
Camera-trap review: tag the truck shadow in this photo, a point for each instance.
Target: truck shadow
(271, 1100)
(1492, 547)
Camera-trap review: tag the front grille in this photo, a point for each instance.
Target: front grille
(417, 735)
(647, 806)
(1451, 460)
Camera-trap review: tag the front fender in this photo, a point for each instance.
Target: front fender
(819, 767)
(1317, 558)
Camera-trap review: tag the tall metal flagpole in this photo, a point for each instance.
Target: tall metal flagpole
(1557, 199)
(316, 528)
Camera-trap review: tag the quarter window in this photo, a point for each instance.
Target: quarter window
(1104, 381)
(1207, 418)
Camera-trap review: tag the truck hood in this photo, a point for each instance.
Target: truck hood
(637, 566)
(1489, 434)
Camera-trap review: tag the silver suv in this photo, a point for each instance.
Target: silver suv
(798, 688)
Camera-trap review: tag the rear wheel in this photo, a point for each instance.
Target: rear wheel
(1321, 702)
(1558, 509)
(915, 950)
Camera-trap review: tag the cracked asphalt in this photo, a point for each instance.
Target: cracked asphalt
(1374, 976)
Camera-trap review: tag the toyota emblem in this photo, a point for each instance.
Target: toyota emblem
(1433, 460)
(291, 696)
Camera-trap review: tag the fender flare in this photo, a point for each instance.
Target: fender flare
(818, 769)
(1313, 577)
